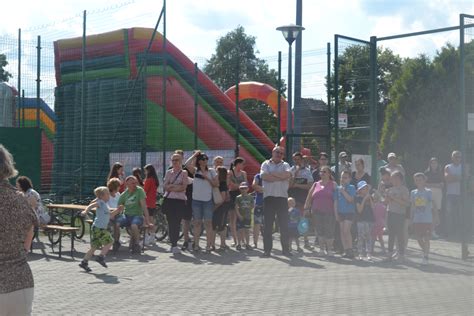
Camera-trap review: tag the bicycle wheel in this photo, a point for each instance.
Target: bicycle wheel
(161, 226)
(78, 221)
(53, 235)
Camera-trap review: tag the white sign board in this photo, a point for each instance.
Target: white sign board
(367, 162)
(470, 122)
(342, 120)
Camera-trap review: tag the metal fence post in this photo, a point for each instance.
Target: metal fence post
(373, 105)
(237, 127)
(279, 99)
(23, 107)
(163, 96)
(462, 139)
(336, 102)
(38, 82)
(19, 71)
(83, 105)
(195, 106)
(328, 92)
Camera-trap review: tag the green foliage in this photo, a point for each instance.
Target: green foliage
(354, 90)
(422, 118)
(4, 75)
(236, 58)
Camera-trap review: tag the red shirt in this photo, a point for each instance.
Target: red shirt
(150, 188)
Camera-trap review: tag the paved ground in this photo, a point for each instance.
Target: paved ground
(243, 283)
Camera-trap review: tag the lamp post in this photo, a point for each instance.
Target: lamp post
(290, 33)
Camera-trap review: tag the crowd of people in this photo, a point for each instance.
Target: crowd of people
(341, 206)
(345, 208)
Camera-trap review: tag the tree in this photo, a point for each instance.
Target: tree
(4, 75)
(354, 89)
(236, 58)
(423, 117)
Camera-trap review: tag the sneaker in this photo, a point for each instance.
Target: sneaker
(185, 246)
(85, 266)
(359, 258)
(266, 254)
(330, 253)
(300, 250)
(248, 247)
(190, 246)
(308, 246)
(287, 253)
(175, 250)
(239, 247)
(424, 261)
(101, 260)
(255, 246)
(369, 257)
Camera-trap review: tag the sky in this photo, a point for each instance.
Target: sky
(195, 26)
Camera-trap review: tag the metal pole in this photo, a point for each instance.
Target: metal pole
(38, 82)
(163, 96)
(279, 99)
(23, 107)
(289, 130)
(336, 103)
(298, 59)
(237, 127)
(195, 106)
(83, 105)
(462, 139)
(144, 125)
(328, 92)
(373, 106)
(19, 70)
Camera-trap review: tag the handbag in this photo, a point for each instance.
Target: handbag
(163, 200)
(216, 196)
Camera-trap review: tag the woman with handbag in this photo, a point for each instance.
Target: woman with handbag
(236, 176)
(219, 217)
(203, 206)
(174, 203)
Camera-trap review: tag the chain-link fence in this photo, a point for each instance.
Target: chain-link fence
(128, 93)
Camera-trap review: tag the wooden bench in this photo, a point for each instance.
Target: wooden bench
(61, 230)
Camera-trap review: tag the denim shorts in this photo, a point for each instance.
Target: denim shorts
(202, 210)
(127, 220)
(258, 215)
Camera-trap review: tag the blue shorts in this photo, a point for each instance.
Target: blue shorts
(202, 210)
(258, 215)
(244, 223)
(127, 220)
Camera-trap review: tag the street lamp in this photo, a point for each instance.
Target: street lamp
(290, 33)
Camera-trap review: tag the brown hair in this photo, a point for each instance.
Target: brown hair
(113, 184)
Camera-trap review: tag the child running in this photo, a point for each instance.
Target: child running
(294, 216)
(422, 209)
(101, 237)
(244, 203)
(365, 220)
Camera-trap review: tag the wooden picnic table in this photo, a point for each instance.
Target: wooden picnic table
(73, 207)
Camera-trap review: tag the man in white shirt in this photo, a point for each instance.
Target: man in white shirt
(276, 176)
